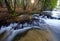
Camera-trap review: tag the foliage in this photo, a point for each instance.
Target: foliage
(38, 6)
(50, 4)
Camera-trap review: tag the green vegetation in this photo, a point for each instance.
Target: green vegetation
(28, 7)
(50, 4)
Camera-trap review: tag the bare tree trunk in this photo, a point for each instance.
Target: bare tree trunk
(14, 5)
(0, 3)
(8, 6)
(12, 12)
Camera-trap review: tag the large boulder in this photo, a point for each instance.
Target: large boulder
(35, 35)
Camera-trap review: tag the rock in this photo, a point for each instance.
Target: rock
(35, 35)
(21, 18)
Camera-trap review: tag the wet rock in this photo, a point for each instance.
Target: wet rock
(35, 35)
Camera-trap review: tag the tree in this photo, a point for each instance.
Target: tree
(9, 5)
(0, 3)
(49, 4)
(36, 7)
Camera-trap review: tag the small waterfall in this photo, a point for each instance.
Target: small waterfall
(16, 28)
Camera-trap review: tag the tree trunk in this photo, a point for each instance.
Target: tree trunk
(8, 6)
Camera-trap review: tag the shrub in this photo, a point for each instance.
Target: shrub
(50, 4)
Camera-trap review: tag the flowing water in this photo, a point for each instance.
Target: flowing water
(13, 29)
